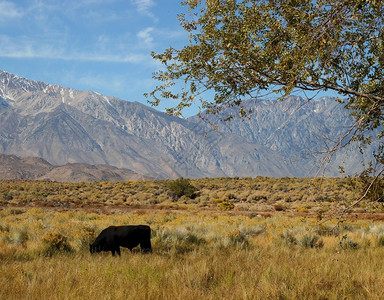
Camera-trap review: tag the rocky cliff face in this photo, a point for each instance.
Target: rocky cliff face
(63, 126)
(301, 131)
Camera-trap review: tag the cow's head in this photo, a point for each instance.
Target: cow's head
(93, 248)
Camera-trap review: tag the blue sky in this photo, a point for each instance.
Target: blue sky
(98, 45)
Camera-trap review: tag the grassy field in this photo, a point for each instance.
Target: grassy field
(261, 248)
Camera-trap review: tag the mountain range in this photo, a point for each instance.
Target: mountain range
(34, 168)
(66, 126)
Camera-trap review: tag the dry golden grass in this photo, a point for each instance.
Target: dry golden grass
(197, 255)
(277, 241)
(260, 273)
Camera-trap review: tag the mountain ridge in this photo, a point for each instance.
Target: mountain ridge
(63, 125)
(13, 167)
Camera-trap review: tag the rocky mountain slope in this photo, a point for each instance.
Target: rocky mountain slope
(297, 129)
(35, 168)
(62, 126)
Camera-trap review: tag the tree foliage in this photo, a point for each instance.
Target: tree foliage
(242, 49)
(248, 48)
(182, 187)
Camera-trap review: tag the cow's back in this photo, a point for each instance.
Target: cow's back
(131, 236)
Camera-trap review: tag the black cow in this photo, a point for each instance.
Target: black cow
(130, 236)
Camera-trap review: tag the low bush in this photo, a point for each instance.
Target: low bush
(238, 239)
(84, 236)
(225, 206)
(182, 187)
(288, 238)
(347, 243)
(311, 241)
(55, 242)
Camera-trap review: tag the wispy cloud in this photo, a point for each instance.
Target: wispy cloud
(146, 37)
(27, 49)
(8, 10)
(143, 7)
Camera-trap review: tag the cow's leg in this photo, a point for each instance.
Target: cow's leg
(115, 249)
(146, 247)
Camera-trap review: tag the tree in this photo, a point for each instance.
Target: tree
(243, 49)
(182, 187)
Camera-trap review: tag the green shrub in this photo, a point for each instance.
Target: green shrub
(182, 187)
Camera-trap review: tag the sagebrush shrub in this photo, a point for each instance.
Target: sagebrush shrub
(347, 243)
(238, 238)
(55, 242)
(288, 238)
(311, 241)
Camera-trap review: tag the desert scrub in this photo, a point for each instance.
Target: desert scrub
(178, 231)
(238, 239)
(310, 240)
(293, 192)
(84, 236)
(347, 243)
(288, 238)
(225, 205)
(182, 187)
(177, 240)
(54, 242)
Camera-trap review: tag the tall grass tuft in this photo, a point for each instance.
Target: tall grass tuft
(21, 236)
(380, 240)
(238, 238)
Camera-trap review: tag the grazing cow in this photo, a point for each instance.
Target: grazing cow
(130, 236)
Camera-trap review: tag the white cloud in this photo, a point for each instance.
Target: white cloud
(143, 7)
(24, 48)
(146, 37)
(8, 10)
